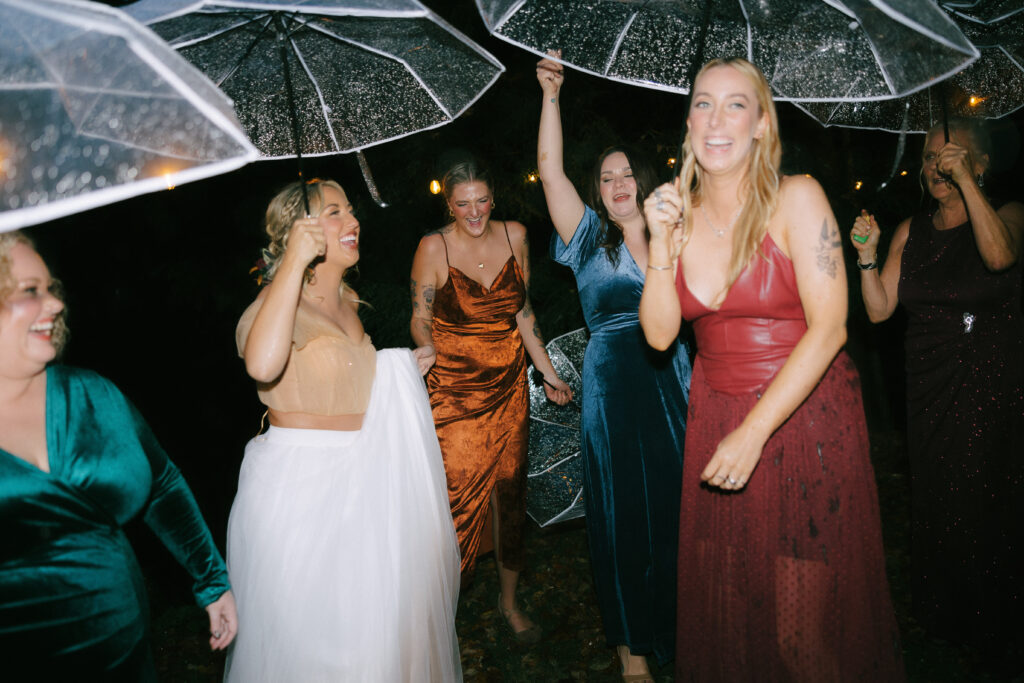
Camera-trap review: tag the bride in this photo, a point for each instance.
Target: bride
(341, 546)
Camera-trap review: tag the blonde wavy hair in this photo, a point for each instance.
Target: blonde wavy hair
(8, 240)
(284, 209)
(761, 184)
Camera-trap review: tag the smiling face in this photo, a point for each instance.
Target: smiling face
(618, 187)
(725, 118)
(341, 228)
(27, 316)
(470, 204)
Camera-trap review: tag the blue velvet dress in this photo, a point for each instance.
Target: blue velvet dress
(72, 599)
(633, 429)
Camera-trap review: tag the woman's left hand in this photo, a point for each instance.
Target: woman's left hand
(557, 391)
(734, 460)
(223, 621)
(425, 357)
(954, 161)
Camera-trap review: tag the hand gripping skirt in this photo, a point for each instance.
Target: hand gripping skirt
(341, 549)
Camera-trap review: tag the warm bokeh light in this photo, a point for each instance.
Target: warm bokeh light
(672, 162)
(903, 173)
(975, 100)
(532, 177)
(169, 177)
(435, 187)
(858, 185)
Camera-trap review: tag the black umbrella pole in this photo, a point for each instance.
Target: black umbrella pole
(296, 126)
(698, 62)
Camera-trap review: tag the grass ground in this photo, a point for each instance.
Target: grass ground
(557, 591)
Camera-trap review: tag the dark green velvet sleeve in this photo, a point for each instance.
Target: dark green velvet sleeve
(173, 514)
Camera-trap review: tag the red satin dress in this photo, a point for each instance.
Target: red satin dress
(785, 579)
(480, 400)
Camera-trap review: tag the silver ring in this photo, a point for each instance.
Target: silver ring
(216, 634)
(732, 481)
(657, 193)
(660, 206)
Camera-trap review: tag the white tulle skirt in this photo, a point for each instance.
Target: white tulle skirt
(341, 550)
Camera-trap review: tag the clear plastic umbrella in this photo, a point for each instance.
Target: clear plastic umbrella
(554, 473)
(94, 108)
(811, 50)
(311, 78)
(984, 11)
(991, 87)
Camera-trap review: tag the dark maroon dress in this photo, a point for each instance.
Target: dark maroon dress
(785, 579)
(965, 433)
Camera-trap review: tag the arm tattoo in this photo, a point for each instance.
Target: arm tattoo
(828, 242)
(536, 332)
(412, 294)
(428, 298)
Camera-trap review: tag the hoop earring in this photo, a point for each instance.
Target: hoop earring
(450, 212)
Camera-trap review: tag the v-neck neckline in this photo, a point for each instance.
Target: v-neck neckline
(46, 435)
(489, 288)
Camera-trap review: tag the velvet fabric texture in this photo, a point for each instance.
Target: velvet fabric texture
(965, 435)
(633, 429)
(480, 402)
(72, 599)
(783, 580)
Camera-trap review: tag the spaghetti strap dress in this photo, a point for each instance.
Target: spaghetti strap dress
(480, 402)
(965, 434)
(783, 580)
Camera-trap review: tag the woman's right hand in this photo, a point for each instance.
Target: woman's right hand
(550, 74)
(864, 236)
(306, 242)
(663, 210)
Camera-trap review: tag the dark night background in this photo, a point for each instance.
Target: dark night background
(155, 285)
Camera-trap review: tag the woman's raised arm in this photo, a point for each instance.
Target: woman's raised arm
(564, 203)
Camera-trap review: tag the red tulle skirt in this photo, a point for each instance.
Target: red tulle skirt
(785, 579)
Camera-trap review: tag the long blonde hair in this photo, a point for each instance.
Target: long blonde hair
(761, 182)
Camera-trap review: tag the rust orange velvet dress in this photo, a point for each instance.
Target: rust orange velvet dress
(480, 401)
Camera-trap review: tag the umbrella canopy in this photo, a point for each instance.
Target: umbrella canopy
(820, 50)
(991, 87)
(984, 11)
(94, 108)
(362, 72)
(554, 473)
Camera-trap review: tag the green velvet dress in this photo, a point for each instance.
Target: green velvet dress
(72, 598)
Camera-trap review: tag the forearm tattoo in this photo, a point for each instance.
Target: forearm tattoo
(828, 242)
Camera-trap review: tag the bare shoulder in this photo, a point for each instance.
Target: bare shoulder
(804, 216)
(1013, 211)
(431, 245)
(799, 190)
(516, 231)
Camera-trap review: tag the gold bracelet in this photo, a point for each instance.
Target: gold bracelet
(654, 267)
